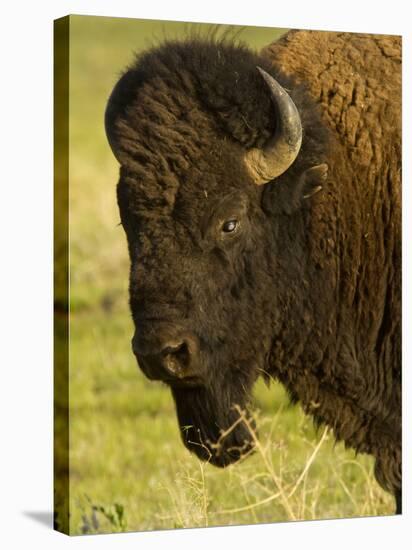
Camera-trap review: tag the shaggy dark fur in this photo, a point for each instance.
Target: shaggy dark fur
(308, 289)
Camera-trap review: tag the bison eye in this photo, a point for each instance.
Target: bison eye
(230, 226)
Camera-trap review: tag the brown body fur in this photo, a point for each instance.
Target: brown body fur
(357, 81)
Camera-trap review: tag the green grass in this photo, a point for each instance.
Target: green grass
(126, 450)
(128, 467)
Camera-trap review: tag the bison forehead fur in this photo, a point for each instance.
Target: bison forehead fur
(307, 289)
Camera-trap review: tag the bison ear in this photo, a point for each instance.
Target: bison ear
(310, 182)
(287, 197)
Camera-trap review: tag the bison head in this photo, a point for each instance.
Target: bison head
(196, 126)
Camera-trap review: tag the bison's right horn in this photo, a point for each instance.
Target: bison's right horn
(282, 149)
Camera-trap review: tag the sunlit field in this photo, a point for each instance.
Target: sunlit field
(128, 467)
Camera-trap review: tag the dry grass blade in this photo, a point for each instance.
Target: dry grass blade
(268, 465)
(309, 462)
(250, 506)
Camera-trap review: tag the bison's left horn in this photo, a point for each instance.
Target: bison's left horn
(275, 158)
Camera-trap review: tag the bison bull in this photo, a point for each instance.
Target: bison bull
(263, 228)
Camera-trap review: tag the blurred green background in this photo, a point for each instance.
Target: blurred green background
(128, 467)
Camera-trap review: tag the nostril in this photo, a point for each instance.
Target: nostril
(180, 351)
(164, 353)
(176, 358)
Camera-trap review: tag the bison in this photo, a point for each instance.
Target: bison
(260, 197)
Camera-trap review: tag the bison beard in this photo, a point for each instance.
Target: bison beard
(212, 426)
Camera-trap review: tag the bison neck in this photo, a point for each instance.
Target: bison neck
(337, 349)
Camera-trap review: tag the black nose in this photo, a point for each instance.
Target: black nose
(170, 357)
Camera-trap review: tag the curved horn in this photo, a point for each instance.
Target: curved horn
(282, 149)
